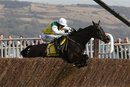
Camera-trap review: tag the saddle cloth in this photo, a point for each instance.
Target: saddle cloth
(51, 51)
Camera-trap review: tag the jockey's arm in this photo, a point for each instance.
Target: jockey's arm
(58, 32)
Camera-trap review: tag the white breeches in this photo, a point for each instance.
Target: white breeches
(49, 38)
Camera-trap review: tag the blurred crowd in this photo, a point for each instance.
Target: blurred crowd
(20, 41)
(125, 40)
(122, 47)
(7, 44)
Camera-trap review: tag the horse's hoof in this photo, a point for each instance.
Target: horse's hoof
(80, 65)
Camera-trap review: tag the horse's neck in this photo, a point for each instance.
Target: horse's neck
(83, 37)
(83, 40)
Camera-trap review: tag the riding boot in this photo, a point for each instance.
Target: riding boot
(57, 45)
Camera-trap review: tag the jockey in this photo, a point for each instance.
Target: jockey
(55, 30)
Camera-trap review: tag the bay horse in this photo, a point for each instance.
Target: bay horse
(72, 51)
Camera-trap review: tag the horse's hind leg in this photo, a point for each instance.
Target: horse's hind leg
(85, 56)
(25, 51)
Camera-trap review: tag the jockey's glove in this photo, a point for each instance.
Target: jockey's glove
(66, 31)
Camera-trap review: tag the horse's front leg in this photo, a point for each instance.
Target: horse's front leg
(85, 56)
(82, 62)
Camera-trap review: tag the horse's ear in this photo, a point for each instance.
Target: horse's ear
(98, 22)
(93, 22)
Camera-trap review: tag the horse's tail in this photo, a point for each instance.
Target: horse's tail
(24, 52)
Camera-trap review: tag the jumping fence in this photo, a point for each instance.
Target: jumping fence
(12, 48)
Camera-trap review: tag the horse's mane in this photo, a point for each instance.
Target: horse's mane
(80, 29)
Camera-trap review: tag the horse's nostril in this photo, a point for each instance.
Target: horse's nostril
(107, 40)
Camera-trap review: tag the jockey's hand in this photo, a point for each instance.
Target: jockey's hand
(67, 28)
(66, 31)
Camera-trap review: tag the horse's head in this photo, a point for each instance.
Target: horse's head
(99, 33)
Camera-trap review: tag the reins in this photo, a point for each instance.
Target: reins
(66, 44)
(73, 41)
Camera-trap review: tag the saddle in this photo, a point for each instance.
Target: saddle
(52, 50)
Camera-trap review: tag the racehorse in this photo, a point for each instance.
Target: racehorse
(72, 50)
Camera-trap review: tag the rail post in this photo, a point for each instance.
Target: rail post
(96, 48)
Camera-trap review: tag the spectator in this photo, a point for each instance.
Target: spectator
(126, 40)
(118, 47)
(20, 42)
(10, 42)
(125, 48)
(2, 45)
(1, 38)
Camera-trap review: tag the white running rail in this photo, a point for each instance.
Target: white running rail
(110, 50)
